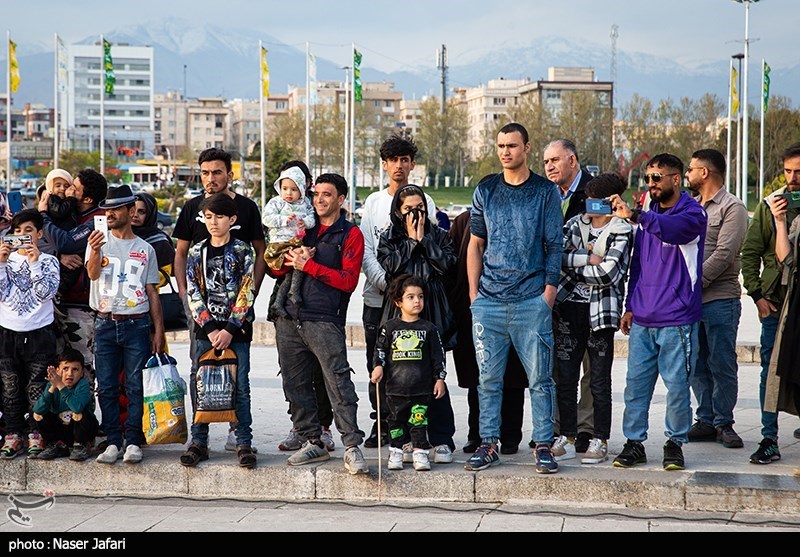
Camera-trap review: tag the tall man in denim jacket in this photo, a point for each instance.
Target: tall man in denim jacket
(513, 267)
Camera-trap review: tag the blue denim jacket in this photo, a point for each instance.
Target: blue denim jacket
(522, 228)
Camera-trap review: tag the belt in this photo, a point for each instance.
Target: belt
(121, 317)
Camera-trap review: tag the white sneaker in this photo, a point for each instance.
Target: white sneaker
(596, 453)
(133, 454)
(408, 453)
(354, 461)
(396, 458)
(563, 449)
(421, 461)
(442, 454)
(110, 455)
(327, 439)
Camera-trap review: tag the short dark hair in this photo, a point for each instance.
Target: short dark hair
(713, 158)
(398, 286)
(94, 184)
(567, 145)
(299, 164)
(396, 146)
(606, 185)
(791, 152)
(71, 355)
(214, 154)
(219, 204)
(667, 160)
(27, 215)
(515, 127)
(334, 179)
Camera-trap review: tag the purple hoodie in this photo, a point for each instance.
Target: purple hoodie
(666, 286)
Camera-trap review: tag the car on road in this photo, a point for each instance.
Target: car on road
(453, 210)
(164, 220)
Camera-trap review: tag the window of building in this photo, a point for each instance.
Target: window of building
(499, 101)
(280, 105)
(171, 136)
(158, 138)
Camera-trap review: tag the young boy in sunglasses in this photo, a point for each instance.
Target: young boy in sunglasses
(664, 308)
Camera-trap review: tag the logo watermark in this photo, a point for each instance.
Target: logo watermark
(16, 513)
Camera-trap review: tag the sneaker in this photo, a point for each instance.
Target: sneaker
(767, 452)
(35, 444)
(133, 454)
(702, 432)
(79, 452)
(12, 446)
(484, 457)
(673, 456)
(421, 461)
(354, 461)
(471, 446)
(563, 448)
(408, 453)
(292, 442)
(729, 438)
(371, 442)
(545, 461)
(596, 453)
(230, 443)
(582, 441)
(327, 439)
(509, 448)
(308, 453)
(631, 455)
(395, 458)
(110, 455)
(56, 450)
(797, 433)
(441, 454)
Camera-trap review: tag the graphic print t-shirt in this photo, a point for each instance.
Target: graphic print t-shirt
(191, 225)
(411, 355)
(127, 266)
(215, 283)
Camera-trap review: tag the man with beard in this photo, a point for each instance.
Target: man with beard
(664, 308)
(715, 382)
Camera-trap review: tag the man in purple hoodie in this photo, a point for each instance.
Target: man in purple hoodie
(664, 308)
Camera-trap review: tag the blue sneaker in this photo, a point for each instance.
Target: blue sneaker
(484, 457)
(545, 463)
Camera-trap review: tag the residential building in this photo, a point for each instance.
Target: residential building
(243, 131)
(564, 80)
(39, 121)
(407, 123)
(205, 123)
(169, 122)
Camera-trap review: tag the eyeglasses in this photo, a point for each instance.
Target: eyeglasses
(656, 177)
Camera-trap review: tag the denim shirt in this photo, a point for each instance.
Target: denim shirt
(522, 228)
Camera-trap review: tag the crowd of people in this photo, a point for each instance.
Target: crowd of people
(526, 290)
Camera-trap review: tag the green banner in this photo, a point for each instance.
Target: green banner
(358, 91)
(767, 69)
(109, 79)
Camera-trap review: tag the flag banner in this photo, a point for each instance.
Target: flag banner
(62, 65)
(109, 78)
(312, 77)
(264, 73)
(358, 91)
(734, 93)
(767, 70)
(13, 67)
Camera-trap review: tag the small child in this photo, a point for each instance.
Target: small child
(409, 353)
(65, 411)
(62, 209)
(287, 217)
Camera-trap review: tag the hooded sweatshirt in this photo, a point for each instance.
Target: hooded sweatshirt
(666, 284)
(278, 211)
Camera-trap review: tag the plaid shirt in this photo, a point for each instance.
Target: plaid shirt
(607, 280)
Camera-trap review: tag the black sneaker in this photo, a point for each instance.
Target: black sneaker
(702, 432)
(545, 462)
(484, 457)
(79, 452)
(371, 442)
(631, 455)
(582, 442)
(471, 446)
(56, 450)
(797, 433)
(673, 456)
(508, 448)
(729, 438)
(767, 452)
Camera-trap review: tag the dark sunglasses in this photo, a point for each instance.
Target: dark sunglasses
(656, 177)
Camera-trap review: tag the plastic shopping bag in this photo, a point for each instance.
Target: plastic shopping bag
(215, 387)
(164, 419)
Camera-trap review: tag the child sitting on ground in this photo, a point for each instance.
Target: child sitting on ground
(287, 216)
(410, 356)
(65, 411)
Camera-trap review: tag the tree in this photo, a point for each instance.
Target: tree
(589, 125)
(442, 138)
(538, 120)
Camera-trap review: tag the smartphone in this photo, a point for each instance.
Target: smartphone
(14, 202)
(101, 224)
(17, 241)
(598, 206)
(792, 197)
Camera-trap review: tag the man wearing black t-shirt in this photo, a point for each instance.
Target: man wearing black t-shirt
(216, 175)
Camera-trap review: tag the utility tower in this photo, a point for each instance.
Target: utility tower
(441, 64)
(614, 36)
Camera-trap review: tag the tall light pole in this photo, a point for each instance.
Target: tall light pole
(745, 115)
(738, 58)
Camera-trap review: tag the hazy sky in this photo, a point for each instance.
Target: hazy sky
(408, 32)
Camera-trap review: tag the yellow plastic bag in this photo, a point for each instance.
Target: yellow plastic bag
(164, 418)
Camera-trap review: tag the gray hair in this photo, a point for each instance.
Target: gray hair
(567, 145)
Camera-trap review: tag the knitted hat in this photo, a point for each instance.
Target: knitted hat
(56, 173)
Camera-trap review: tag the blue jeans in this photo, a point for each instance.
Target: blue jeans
(672, 353)
(529, 326)
(243, 428)
(121, 345)
(716, 381)
(769, 420)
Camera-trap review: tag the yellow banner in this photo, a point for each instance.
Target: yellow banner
(264, 73)
(734, 92)
(13, 65)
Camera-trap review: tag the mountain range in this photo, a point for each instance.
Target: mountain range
(224, 62)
